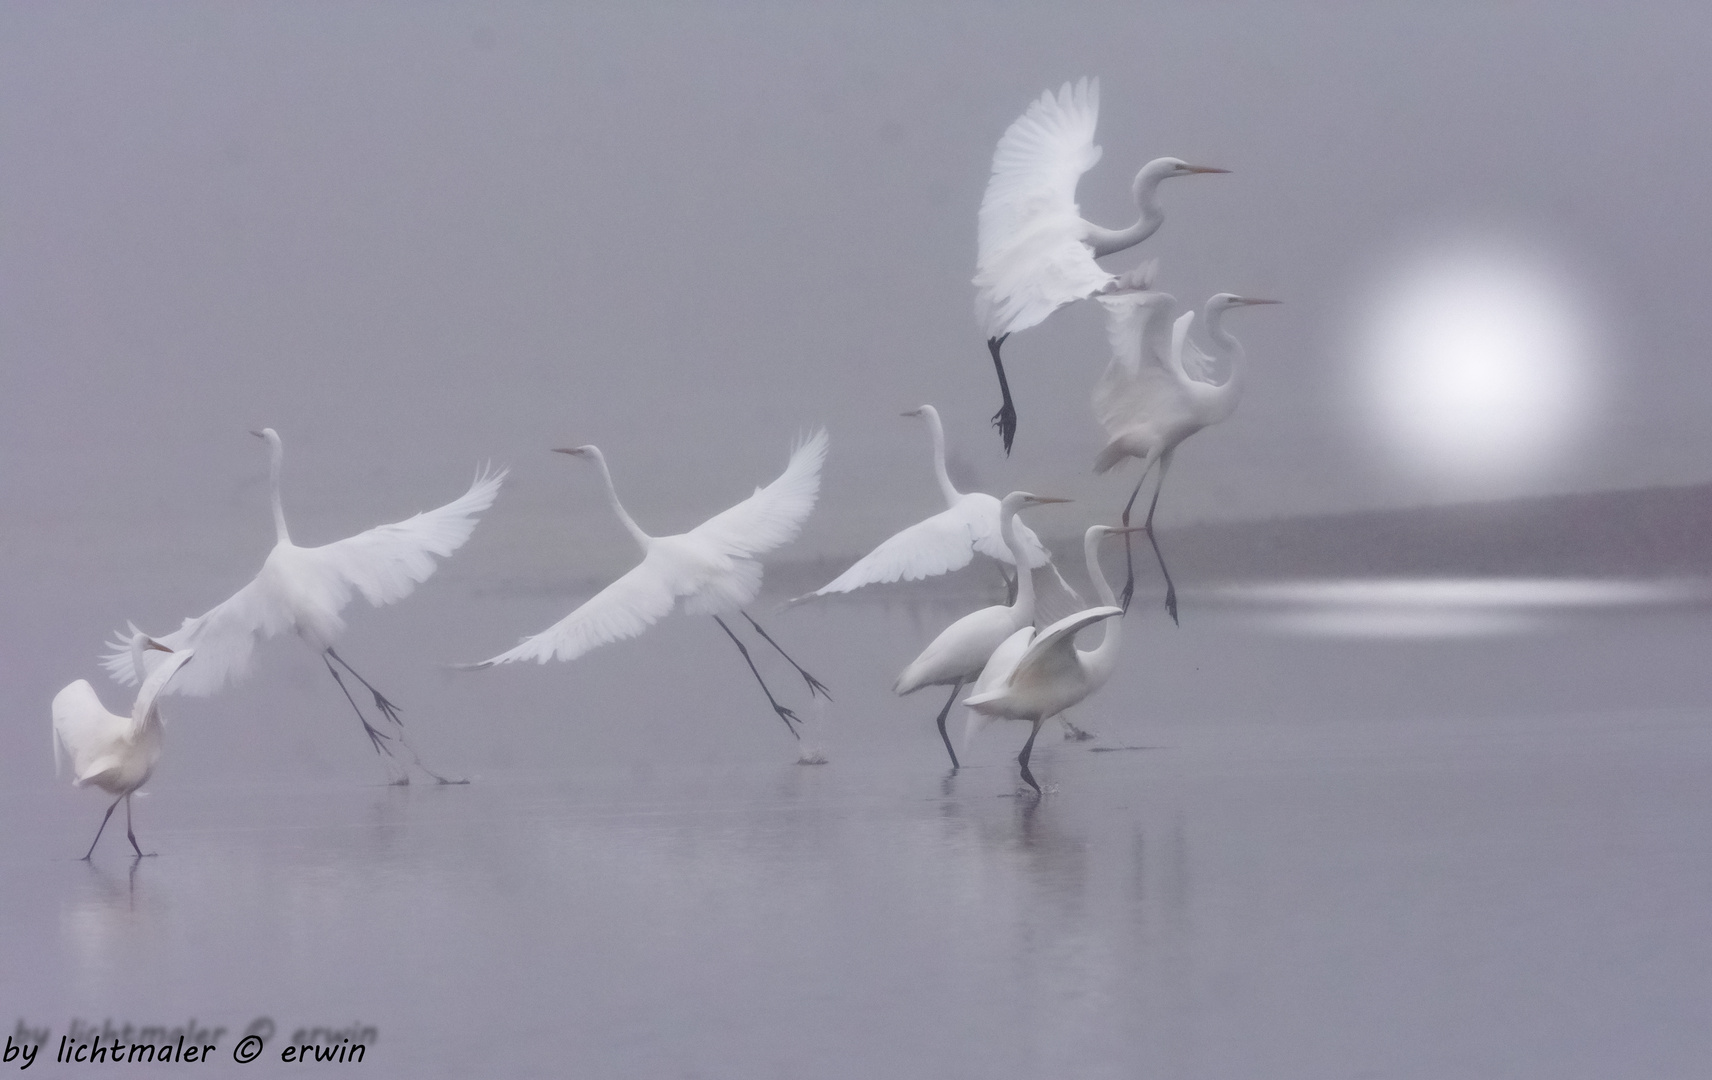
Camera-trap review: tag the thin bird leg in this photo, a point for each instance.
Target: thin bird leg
(814, 684)
(784, 714)
(375, 737)
(942, 714)
(391, 712)
(101, 830)
(1129, 551)
(1022, 758)
(1005, 419)
(380, 701)
(1170, 589)
(129, 835)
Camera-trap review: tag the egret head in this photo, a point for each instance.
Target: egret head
(267, 433)
(919, 410)
(1164, 169)
(588, 452)
(1018, 500)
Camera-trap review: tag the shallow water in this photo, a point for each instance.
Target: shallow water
(1283, 854)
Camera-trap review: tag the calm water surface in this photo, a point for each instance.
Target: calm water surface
(1284, 853)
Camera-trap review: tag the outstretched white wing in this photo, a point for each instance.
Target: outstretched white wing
(1051, 659)
(774, 514)
(622, 610)
(938, 545)
(1135, 387)
(1031, 252)
(305, 588)
(81, 726)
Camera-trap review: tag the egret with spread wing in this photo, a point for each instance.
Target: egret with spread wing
(947, 541)
(1035, 252)
(961, 650)
(1155, 394)
(304, 589)
(1051, 674)
(714, 568)
(115, 753)
(1003, 663)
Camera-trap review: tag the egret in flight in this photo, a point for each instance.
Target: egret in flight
(1035, 252)
(714, 568)
(960, 651)
(115, 753)
(303, 589)
(947, 541)
(1154, 394)
(1003, 663)
(1036, 676)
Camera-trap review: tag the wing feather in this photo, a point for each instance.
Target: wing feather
(774, 514)
(1135, 387)
(622, 610)
(1031, 253)
(310, 585)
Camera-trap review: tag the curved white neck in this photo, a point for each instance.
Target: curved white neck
(1103, 658)
(642, 539)
(276, 451)
(1230, 349)
(937, 430)
(1107, 241)
(1025, 578)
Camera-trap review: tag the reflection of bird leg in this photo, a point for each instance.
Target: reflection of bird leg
(1022, 758)
(784, 714)
(101, 830)
(376, 737)
(129, 835)
(814, 685)
(1005, 419)
(942, 714)
(1170, 589)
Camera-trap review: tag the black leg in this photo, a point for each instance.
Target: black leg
(1170, 589)
(785, 714)
(814, 685)
(375, 737)
(129, 835)
(1022, 758)
(391, 712)
(1129, 550)
(942, 714)
(101, 830)
(1005, 419)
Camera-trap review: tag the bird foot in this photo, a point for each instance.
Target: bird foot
(790, 718)
(1171, 605)
(1128, 592)
(387, 707)
(815, 686)
(1006, 420)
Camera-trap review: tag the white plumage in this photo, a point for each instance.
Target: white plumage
(1037, 676)
(1034, 250)
(114, 753)
(305, 589)
(714, 568)
(947, 541)
(959, 652)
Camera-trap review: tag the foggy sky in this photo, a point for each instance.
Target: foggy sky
(413, 239)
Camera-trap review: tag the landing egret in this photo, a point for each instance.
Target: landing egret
(1050, 674)
(961, 649)
(714, 568)
(947, 541)
(1152, 395)
(1003, 663)
(303, 589)
(115, 753)
(1035, 252)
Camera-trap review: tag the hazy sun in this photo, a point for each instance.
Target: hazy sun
(1479, 368)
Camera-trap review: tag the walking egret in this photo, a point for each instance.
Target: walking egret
(115, 753)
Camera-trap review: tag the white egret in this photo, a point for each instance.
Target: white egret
(1035, 252)
(714, 568)
(1152, 395)
(115, 753)
(947, 541)
(1003, 663)
(961, 649)
(303, 589)
(1048, 674)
